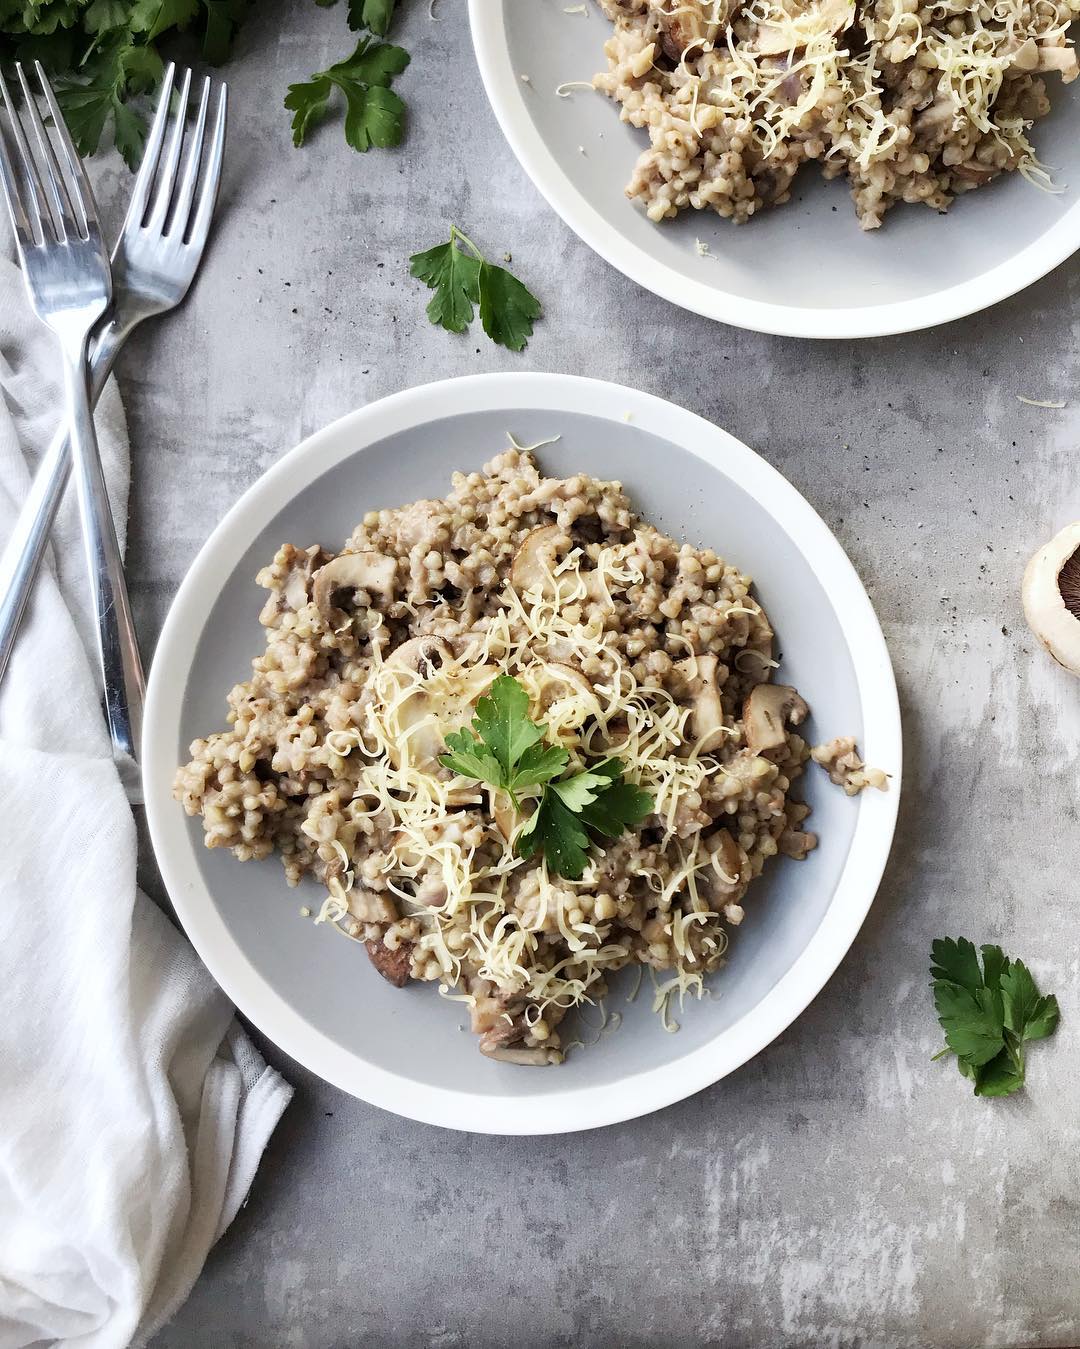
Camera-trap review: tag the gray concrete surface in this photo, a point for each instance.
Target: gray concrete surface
(840, 1190)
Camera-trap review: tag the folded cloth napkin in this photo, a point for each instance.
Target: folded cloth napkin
(133, 1108)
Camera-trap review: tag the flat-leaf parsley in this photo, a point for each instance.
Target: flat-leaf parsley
(506, 750)
(463, 279)
(988, 1014)
(374, 114)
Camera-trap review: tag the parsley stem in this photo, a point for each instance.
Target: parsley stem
(459, 235)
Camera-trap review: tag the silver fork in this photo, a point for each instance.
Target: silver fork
(153, 264)
(66, 269)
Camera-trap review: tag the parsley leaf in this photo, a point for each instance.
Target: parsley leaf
(462, 278)
(957, 962)
(102, 54)
(595, 801)
(507, 308)
(374, 114)
(555, 828)
(506, 749)
(468, 757)
(373, 14)
(988, 1014)
(454, 276)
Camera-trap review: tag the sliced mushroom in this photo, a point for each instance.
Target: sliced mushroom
(933, 122)
(533, 1058)
(707, 717)
(824, 16)
(1051, 594)
(726, 855)
(370, 572)
(558, 680)
(535, 559)
(684, 29)
(1059, 58)
(767, 712)
(1026, 56)
(755, 658)
(370, 907)
(505, 815)
(491, 1006)
(394, 966)
(417, 714)
(420, 655)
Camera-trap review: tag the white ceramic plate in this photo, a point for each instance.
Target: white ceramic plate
(805, 269)
(313, 992)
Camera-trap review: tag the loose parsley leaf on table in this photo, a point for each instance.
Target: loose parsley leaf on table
(374, 114)
(506, 750)
(988, 1014)
(463, 279)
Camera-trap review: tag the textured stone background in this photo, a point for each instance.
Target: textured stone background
(840, 1190)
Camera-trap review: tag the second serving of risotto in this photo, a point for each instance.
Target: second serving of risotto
(642, 668)
(911, 100)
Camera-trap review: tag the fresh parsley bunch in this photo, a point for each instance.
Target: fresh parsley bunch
(506, 750)
(988, 1014)
(102, 54)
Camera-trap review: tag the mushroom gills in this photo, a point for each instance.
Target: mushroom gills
(369, 572)
(1051, 595)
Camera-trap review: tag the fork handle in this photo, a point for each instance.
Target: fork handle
(25, 549)
(121, 664)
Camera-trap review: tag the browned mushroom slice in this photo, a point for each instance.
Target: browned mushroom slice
(531, 1058)
(707, 716)
(535, 559)
(685, 29)
(294, 590)
(562, 681)
(726, 854)
(370, 572)
(394, 966)
(766, 714)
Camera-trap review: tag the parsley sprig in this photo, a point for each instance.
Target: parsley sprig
(462, 278)
(374, 114)
(988, 1014)
(101, 55)
(506, 750)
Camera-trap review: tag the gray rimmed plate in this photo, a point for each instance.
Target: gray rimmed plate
(805, 269)
(313, 992)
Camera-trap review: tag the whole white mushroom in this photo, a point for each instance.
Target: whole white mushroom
(1051, 594)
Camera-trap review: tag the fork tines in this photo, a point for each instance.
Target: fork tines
(164, 197)
(49, 193)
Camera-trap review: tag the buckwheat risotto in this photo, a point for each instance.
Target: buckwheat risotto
(912, 100)
(629, 647)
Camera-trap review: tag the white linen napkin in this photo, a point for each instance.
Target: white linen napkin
(133, 1108)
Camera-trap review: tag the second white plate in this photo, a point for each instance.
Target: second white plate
(805, 269)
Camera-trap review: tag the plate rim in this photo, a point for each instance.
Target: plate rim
(503, 89)
(588, 1107)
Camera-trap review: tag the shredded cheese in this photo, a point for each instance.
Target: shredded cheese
(468, 921)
